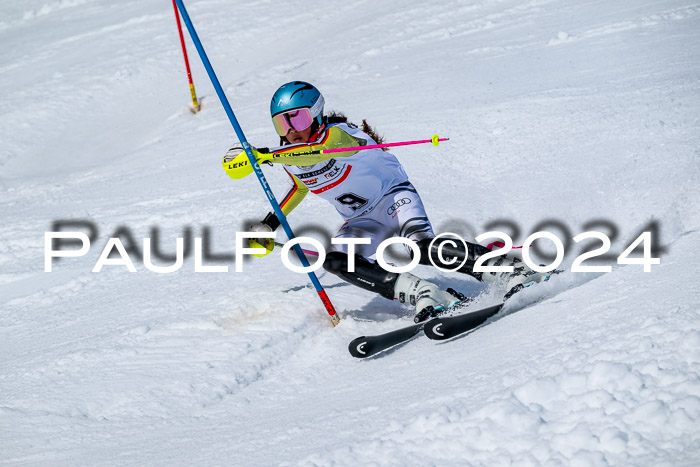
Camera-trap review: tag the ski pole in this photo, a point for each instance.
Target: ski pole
(239, 167)
(435, 140)
(251, 158)
(306, 252)
(195, 104)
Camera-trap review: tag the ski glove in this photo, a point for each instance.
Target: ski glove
(269, 224)
(236, 162)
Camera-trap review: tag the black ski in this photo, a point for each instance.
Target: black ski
(366, 346)
(451, 326)
(436, 328)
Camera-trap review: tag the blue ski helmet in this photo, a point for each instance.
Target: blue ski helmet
(298, 95)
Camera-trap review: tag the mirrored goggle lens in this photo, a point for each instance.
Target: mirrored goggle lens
(298, 120)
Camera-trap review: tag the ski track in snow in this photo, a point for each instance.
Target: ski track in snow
(584, 113)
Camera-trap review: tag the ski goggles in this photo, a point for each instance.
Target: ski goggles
(298, 120)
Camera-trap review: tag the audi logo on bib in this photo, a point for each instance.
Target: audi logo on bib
(392, 209)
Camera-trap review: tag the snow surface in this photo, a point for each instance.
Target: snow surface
(573, 111)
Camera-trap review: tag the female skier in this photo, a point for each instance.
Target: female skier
(371, 191)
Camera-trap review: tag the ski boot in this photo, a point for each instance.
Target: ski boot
(521, 277)
(427, 297)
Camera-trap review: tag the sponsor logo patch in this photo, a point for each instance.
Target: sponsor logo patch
(392, 209)
(321, 171)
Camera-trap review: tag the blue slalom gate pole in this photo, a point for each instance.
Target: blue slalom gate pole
(251, 158)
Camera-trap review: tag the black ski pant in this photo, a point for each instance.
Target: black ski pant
(370, 276)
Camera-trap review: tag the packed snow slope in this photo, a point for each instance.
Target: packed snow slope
(584, 113)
